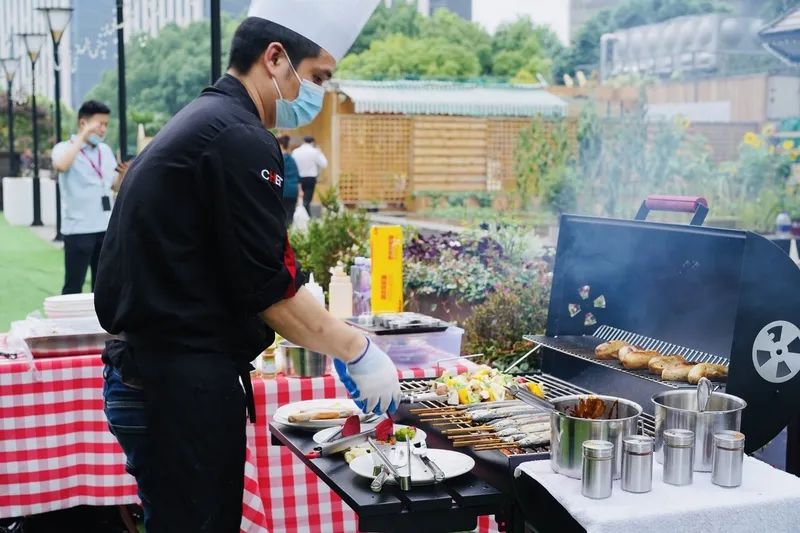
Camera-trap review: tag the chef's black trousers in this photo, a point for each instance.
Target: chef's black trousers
(180, 419)
(81, 251)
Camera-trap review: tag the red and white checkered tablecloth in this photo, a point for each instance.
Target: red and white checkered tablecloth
(56, 451)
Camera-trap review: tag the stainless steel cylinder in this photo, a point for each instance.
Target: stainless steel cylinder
(726, 469)
(678, 456)
(568, 433)
(678, 409)
(637, 464)
(598, 464)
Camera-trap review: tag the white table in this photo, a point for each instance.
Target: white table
(767, 501)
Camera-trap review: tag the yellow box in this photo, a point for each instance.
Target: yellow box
(386, 243)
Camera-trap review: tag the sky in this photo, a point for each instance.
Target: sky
(553, 13)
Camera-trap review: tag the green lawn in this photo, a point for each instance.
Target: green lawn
(30, 270)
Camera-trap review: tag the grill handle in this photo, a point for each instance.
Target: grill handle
(680, 204)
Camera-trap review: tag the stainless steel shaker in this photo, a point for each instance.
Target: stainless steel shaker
(678, 456)
(637, 463)
(726, 465)
(598, 464)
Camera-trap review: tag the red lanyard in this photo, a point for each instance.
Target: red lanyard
(98, 168)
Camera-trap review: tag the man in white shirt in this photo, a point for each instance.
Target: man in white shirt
(87, 169)
(310, 161)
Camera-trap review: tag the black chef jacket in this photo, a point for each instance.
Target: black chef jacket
(197, 244)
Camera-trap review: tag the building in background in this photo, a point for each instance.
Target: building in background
(89, 47)
(19, 16)
(582, 10)
(462, 8)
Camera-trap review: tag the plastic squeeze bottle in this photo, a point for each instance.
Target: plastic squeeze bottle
(340, 293)
(315, 289)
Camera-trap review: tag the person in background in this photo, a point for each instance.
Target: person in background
(87, 169)
(291, 179)
(26, 162)
(310, 161)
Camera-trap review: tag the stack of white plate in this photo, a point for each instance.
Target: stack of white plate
(69, 306)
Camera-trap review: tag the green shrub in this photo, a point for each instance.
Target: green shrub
(339, 235)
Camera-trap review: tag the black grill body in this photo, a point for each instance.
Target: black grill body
(716, 295)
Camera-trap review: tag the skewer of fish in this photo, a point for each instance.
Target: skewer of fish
(467, 407)
(512, 431)
(464, 410)
(500, 423)
(523, 440)
(485, 415)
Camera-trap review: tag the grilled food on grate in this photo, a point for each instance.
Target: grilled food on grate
(707, 370)
(610, 349)
(656, 365)
(677, 372)
(637, 359)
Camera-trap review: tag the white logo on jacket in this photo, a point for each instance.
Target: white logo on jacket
(272, 177)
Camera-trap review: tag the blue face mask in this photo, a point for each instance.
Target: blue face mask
(301, 110)
(94, 140)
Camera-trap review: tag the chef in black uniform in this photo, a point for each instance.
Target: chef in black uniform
(196, 272)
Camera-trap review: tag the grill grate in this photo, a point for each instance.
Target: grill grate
(582, 346)
(553, 388)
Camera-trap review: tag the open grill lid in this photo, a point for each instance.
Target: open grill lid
(729, 293)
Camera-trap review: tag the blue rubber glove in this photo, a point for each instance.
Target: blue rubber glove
(371, 380)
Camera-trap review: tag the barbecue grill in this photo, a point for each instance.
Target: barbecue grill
(711, 295)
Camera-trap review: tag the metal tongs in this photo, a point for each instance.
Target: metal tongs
(387, 468)
(530, 398)
(705, 390)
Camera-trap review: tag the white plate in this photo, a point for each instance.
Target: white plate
(321, 436)
(453, 464)
(282, 414)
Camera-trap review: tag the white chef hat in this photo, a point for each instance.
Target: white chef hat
(332, 24)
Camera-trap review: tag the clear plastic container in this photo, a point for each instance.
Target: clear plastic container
(420, 350)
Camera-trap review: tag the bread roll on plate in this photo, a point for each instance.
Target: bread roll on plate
(677, 372)
(708, 370)
(610, 349)
(658, 364)
(637, 359)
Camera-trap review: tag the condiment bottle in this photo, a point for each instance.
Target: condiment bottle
(678, 456)
(637, 463)
(340, 293)
(598, 459)
(315, 289)
(726, 463)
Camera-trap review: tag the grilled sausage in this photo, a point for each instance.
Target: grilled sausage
(610, 349)
(708, 370)
(637, 359)
(677, 372)
(658, 364)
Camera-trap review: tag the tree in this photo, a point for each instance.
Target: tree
(446, 25)
(401, 18)
(522, 50)
(402, 57)
(163, 74)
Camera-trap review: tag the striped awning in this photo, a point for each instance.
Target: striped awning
(450, 98)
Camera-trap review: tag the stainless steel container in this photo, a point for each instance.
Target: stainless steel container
(568, 433)
(677, 409)
(726, 470)
(596, 478)
(678, 456)
(637, 463)
(296, 361)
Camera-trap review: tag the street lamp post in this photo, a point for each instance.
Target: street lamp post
(10, 65)
(33, 46)
(57, 20)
